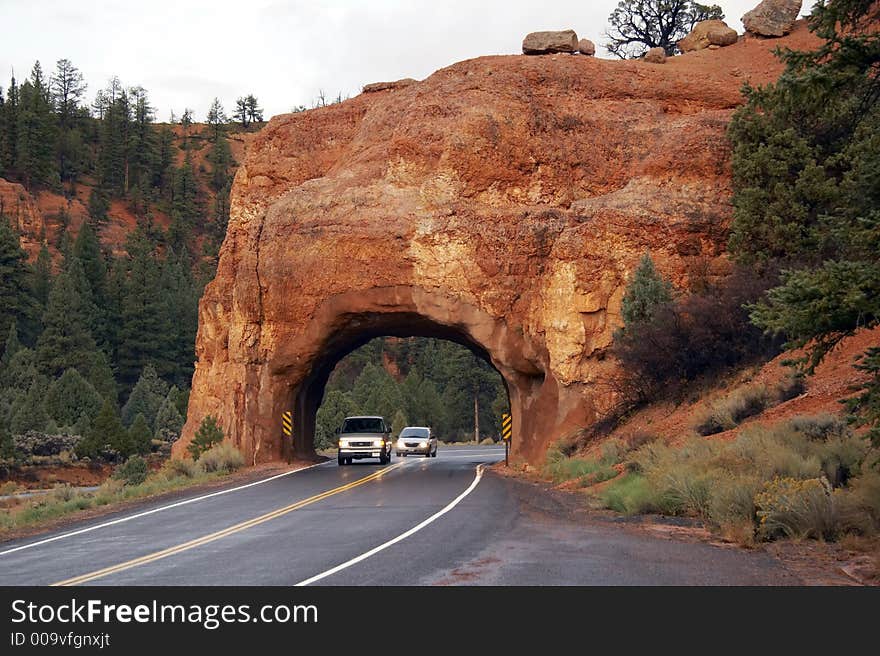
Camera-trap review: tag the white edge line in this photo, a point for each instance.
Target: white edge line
(128, 518)
(403, 536)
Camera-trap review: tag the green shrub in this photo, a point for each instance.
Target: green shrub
(132, 472)
(770, 453)
(729, 412)
(181, 467)
(732, 503)
(207, 435)
(714, 419)
(819, 427)
(221, 457)
(600, 475)
(630, 494)
(613, 452)
(860, 503)
(792, 508)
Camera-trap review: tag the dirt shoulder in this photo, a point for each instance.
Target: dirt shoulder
(812, 562)
(241, 477)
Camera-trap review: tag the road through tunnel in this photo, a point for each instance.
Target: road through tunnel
(405, 316)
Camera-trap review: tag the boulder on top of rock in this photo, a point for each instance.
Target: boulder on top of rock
(772, 17)
(586, 47)
(708, 33)
(382, 86)
(542, 43)
(656, 56)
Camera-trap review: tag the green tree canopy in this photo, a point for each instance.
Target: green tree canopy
(646, 291)
(71, 396)
(146, 398)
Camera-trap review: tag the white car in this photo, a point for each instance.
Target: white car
(416, 440)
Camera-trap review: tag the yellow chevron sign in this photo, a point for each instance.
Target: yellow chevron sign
(287, 423)
(506, 426)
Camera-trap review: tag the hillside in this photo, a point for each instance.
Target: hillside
(43, 214)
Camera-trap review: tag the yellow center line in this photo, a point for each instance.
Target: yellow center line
(170, 551)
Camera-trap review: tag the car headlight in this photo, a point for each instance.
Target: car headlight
(423, 444)
(378, 442)
(343, 444)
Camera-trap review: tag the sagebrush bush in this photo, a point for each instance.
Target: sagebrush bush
(732, 505)
(132, 472)
(810, 477)
(819, 427)
(787, 507)
(613, 451)
(727, 413)
(630, 494)
(181, 467)
(221, 457)
(860, 503)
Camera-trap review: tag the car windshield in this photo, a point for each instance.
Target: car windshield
(414, 432)
(363, 425)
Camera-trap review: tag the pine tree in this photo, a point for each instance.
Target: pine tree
(15, 285)
(66, 341)
(241, 112)
(335, 407)
(106, 434)
(20, 372)
(254, 111)
(70, 397)
(99, 205)
(115, 140)
(216, 119)
(12, 345)
(647, 290)
(139, 435)
(806, 169)
(168, 418)
(220, 159)
(100, 376)
(68, 88)
(144, 330)
(35, 133)
(43, 277)
(9, 127)
(208, 434)
(29, 412)
(146, 398)
(143, 145)
(398, 423)
(87, 250)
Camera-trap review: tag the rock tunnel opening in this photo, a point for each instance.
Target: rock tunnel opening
(355, 331)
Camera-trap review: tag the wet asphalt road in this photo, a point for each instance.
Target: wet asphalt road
(331, 525)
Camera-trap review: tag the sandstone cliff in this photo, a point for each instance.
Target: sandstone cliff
(502, 203)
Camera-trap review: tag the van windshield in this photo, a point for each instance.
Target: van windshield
(414, 432)
(363, 425)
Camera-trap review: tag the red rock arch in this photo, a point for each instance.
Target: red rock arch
(503, 203)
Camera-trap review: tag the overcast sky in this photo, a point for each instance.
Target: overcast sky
(186, 52)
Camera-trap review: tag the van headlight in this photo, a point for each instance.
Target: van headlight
(343, 444)
(378, 442)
